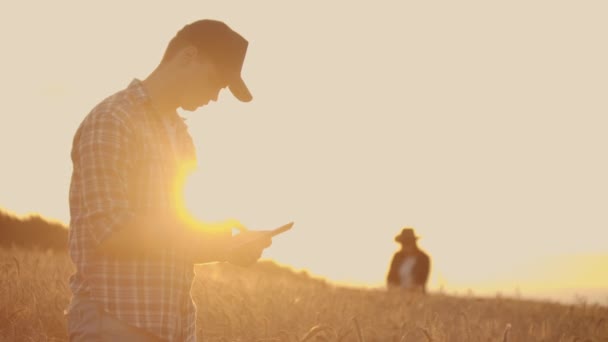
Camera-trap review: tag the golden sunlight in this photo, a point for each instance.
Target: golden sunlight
(186, 214)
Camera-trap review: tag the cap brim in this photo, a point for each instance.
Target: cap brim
(239, 90)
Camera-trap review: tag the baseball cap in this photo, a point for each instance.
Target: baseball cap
(225, 47)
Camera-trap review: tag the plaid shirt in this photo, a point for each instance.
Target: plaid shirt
(126, 165)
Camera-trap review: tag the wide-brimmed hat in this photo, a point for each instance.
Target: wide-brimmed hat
(407, 234)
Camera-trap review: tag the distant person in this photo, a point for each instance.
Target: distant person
(132, 247)
(410, 266)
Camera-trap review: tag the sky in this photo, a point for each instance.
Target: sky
(480, 124)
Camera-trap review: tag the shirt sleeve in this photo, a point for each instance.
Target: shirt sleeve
(393, 273)
(422, 268)
(102, 160)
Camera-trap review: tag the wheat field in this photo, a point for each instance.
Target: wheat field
(271, 303)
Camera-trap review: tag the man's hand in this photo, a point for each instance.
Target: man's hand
(247, 247)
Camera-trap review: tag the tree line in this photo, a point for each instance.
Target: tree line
(32, 231)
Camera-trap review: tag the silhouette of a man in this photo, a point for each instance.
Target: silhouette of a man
(130, 241)
(410, 266)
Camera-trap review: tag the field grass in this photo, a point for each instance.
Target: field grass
(272, 303)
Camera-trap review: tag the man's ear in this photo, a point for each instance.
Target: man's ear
(187, 55)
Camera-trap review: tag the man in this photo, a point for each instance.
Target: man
(131, 242)
(410, 266)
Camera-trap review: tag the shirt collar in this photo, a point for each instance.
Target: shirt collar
(139, 94)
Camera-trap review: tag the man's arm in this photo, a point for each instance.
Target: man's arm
(103, 160)
(103, 157)
(421, 270)
(393, 274)
(201, 242)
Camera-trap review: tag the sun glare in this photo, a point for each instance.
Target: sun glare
(183, 211)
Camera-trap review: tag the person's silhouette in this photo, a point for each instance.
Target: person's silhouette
(132, 246)
(410, 266)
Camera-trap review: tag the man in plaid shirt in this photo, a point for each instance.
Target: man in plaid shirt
(131, 243)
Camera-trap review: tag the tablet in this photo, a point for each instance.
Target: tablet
(281, 229)
(267, 233)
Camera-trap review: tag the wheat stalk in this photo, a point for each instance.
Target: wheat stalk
(358, 328)
(505, 336)
(314, 331)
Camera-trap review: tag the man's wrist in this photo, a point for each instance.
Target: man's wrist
(205, 247)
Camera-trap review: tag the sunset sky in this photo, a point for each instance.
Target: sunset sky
(482, 125)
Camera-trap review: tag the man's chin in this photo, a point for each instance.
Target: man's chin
(191, 108)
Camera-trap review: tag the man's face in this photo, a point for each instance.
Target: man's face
(202, 83)
(408, 244)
